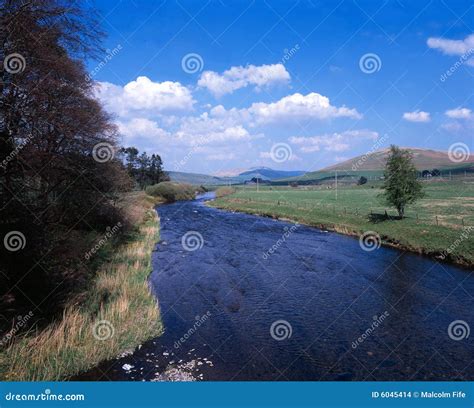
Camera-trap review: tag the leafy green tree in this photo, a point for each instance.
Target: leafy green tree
(401, 186)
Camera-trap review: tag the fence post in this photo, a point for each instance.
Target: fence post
(436, 220)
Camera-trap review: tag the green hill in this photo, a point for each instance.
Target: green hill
(372, 165)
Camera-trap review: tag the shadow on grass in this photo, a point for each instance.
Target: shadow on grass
(378, 218)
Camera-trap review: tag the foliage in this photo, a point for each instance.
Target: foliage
(118, 298)
(171, 192)
(53, 190)
(401, 186)
(145, 170)
(362, 180)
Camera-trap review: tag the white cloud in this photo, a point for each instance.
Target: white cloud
(417, 116)
(335, 142)
(298, 106)
(241, 77)
(454, 47)
(145, 96)
(221, 156)
(141, 128)
(459, 113)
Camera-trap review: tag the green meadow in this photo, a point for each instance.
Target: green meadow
(441, 224)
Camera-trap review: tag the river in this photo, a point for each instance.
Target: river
(244, 297)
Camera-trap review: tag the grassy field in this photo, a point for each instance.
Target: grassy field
(116, 314)
(444, 217)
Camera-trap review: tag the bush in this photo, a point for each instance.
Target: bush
(171, 192)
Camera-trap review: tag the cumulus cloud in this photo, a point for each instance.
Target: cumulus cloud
(417, 116)
(241, 77)
(335, 142)
(459, 113)
(298, 106)
(141, 128)
(144, 95)
(454, 47)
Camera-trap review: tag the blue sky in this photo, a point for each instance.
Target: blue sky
(218, 85)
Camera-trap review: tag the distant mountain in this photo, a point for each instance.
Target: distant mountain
(261, 172)
(424, 159)
(372, 165)
(201, 179)
(269, 174)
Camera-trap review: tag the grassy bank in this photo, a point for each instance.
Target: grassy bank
(117, 313)
(442, 220)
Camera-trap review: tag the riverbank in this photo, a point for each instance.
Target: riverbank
(357, 212)
(117, 313)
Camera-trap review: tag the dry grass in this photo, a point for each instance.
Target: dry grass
(118, 307)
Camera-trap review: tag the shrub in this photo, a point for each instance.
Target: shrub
(171, 192)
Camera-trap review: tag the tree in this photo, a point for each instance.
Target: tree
(58, 176)
(401, 186)
(362, 180)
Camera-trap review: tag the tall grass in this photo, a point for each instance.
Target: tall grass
(117, 313)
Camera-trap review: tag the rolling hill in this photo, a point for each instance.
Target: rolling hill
(372, 166)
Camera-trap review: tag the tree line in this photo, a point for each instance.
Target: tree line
(61, 169)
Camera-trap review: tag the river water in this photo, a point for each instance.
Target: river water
(250, 298)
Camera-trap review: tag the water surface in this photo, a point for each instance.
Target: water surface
(319, 290)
